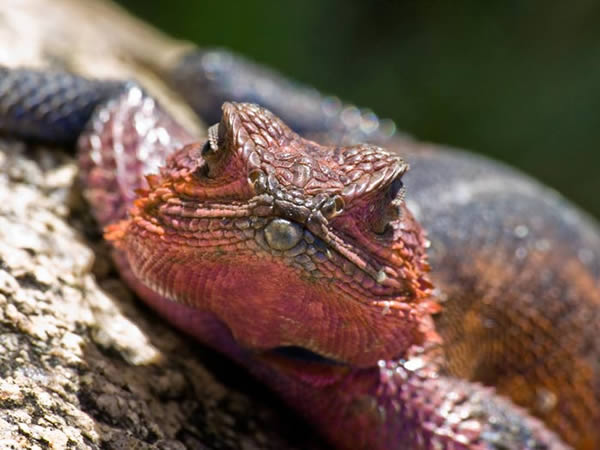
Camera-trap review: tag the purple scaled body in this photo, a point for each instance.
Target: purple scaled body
(405, 402)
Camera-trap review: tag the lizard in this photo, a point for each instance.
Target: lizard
(506, 252)
(473, 287)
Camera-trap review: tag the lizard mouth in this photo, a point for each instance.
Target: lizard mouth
(305, 365)
(303, 355)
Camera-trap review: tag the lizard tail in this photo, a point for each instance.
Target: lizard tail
(49, 106)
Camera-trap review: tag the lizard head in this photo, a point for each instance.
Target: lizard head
(297, 248)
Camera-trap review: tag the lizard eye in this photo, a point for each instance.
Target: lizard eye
(282, 234)
(258, 180)
(332, 207)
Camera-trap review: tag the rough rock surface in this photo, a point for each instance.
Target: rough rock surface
(83, 364)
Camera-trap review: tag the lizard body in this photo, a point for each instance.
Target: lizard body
(410, 399)
(505, 251)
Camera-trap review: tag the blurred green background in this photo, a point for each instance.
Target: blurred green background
(516, 80)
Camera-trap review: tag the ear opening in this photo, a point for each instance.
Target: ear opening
(222, 141)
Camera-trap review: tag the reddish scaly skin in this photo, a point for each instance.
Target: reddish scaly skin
(212, 222)
(342, 272)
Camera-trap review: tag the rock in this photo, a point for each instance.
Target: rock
(83, 363)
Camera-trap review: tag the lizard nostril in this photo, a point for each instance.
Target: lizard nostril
(282, 234)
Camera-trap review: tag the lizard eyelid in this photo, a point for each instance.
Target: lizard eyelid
(333, 207)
